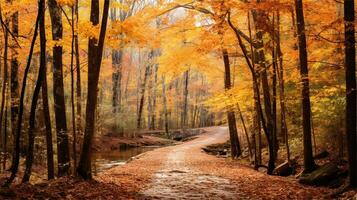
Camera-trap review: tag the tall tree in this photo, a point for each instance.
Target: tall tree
(78, 76)
(309, 163)
(58, 92)
(16, 158)
(47, 119)
(184, 114)
(41, 74)
(143, 89)
(254, 72)
(73, 112)
(233, 133)
(350, 67)
(14, 80)
(166, 121)
(5, 77)
(95, 52)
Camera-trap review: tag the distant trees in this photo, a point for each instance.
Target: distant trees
(147, 73)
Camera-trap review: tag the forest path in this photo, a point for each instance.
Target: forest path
(184, 171)
(178, 179)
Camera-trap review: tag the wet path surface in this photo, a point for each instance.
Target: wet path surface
(178, 180)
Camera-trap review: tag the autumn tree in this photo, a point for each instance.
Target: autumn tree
(95, 52)
(309, 163)
(34, 102)
(350, 68)
(16, 157)
(59, 101)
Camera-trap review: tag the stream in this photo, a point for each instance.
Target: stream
(107, 160)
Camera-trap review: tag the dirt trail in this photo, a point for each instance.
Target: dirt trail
(177, 172)
(177, 179)
(185, 172)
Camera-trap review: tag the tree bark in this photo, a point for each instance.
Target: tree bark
(233, 133)
(116, 78)
(47, 119)
(142, 94)
(166, 120)
(74, 143)
(185, 100)
(41, 73)
(309, 163)
(258, 17)
(350, 67)
(78, 78)
(5, 77)
(245, 131)
(16, 158)
(14, 80)
(58, 91)
(154, 93)
(283, 127)
(95, 52)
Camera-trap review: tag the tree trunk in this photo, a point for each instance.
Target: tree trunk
(165, 106)
(233, 133)
(251, 66)
(47, 119)
(274, 87)
(5, 78)
(185, 101)
(14, 82)
(309, 163)
(350, 67)
(117, 76)
(5, 136)
(283, 127)
(58, 91)
(154, 93)
(78, 80)
(271, 136)
(143, 88)
(16, 158)
(41, 73)
(245, 131)
(95, 52)
(74, 147)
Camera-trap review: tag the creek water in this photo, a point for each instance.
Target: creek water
(105, 160)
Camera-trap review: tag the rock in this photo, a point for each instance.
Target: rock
(322, 154)
(284, 169)
(324, 175)
(217, 149)
(7, 192)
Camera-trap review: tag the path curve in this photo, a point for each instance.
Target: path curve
(177, 179)
(184, 171)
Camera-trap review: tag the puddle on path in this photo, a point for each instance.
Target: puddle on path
(176, 180)
(180, 184)
(107, 160)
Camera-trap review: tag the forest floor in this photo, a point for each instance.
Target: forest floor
(111, 143)
(183, 171)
